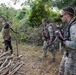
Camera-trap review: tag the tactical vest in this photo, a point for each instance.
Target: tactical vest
(66, 33)
(45, 33)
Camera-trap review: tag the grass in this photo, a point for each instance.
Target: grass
(34, 65)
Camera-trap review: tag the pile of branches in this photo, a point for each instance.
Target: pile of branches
(9, 63)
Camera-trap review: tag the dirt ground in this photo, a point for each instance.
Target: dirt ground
(33, 63)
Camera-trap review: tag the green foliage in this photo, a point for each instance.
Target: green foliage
(27, 20)
(7, 13)
(54, 16)
(20, 14)
(36, 14)
(62, 3)
(33, 36)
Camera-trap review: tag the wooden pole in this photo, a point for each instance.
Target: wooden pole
(17, 42)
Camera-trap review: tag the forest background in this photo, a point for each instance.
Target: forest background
(28, 20)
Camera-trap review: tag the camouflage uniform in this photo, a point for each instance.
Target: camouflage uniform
(47, 33)
(68, 63)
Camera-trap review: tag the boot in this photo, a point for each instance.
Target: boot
(11, 51)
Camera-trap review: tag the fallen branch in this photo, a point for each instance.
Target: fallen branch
(3, 58)
(5, 71)
(8, 65)
(16, 69)
(16, 58)
(6, 61)
(4, 54)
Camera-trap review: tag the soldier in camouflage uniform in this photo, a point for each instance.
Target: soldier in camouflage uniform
(47, 36)
(68, 63)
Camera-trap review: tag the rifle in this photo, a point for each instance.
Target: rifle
(57, 36)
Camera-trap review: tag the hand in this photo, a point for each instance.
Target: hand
(3, 42)
(43, 38)
(51, 39)
(17, 32)
(60, 34)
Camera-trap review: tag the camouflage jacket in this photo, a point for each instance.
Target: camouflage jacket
(72, 42)
(47, 32)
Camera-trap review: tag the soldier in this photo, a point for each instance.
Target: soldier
(47, 35)
(68, 63)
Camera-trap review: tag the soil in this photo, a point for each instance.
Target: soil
(34, 64)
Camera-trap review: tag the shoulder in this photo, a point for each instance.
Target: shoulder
(73, 29)
(73, 26)
(49, 26)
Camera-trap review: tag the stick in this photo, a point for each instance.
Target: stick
(6, 66)
(4, 63)
(14, 66)
(6, 60)
(17, 57)
(5, 71)
(16, 69)
(3, 58)
(4, 54)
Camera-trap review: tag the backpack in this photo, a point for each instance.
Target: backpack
(73, 22)
(45, 33)
(53, 30)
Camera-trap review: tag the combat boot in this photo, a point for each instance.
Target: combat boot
(44, 55)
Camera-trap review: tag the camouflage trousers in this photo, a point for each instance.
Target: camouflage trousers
(47, 45)
(68, 64)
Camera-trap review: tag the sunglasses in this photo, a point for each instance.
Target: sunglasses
(62, 15)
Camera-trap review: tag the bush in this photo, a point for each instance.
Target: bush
(31, 36)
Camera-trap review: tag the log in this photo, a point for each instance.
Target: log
(14, 66)
(1, 50)
(16, 69)
(10, 57)
(4, 54)
(6, 61)
(19, 57)
(3, 58)
(16, 58)
(5, 71)
(8, 65)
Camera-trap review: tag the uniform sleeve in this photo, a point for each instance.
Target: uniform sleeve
(72, 43)
(50, 29)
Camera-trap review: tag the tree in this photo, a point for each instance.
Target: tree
(21, 14)
(37, 12)
(7, 13)
(62, 3)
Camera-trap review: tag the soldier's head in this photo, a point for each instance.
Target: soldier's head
(44, 21)
(67, 14)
